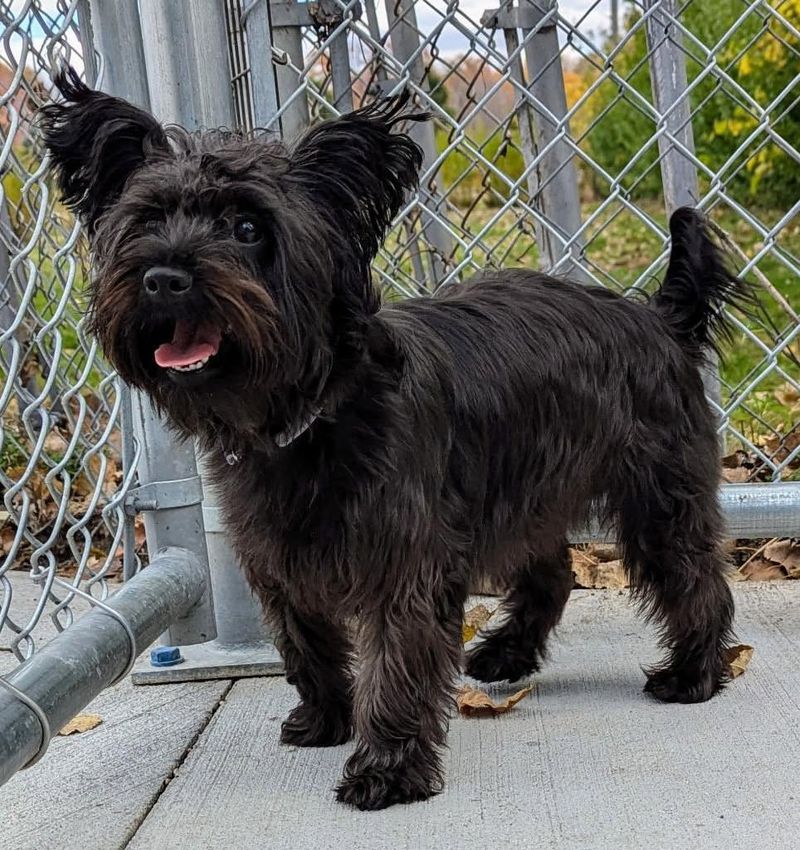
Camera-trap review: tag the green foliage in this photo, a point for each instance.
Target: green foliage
(437, 89)
(760, 56)
(465, 178)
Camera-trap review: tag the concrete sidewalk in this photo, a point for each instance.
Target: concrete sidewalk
(587, 761)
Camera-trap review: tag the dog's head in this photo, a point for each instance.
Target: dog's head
(228, 266)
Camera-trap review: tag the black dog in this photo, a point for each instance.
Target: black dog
(374, 461)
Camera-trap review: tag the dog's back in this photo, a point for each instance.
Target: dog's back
(559, 395)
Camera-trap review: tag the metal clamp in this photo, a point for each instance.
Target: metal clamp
(163, 495)
(321, 14)
(40, 716)
(527, 17)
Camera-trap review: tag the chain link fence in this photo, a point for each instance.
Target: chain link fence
(561, 137)
(62, 519)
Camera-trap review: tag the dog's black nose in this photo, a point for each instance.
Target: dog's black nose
(163, 282)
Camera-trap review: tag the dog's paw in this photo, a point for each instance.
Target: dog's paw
(312, 726)
(670, 685)
(376, 780)
(377, 788)
(490, 663)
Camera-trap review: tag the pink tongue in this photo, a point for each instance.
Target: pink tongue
(190, 343)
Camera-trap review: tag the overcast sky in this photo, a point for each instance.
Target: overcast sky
(593, 15)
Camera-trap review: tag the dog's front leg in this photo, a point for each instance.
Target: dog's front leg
(318, 658)
(410, 651)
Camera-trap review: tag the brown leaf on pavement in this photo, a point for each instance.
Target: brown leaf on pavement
(759, 569)
(473, 702)
(81, 723)
(738, 657)
(590, 572)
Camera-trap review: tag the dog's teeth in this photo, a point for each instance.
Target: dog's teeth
(192, 367)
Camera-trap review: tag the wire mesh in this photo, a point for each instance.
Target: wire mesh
(62, 518)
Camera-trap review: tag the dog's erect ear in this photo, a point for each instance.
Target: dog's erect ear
(96, 142)
(360, 170)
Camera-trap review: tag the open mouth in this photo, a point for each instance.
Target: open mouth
(191, 349)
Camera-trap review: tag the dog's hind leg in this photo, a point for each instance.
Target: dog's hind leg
(318, 657)
(410, 648)
(671, 542)
(531, 610)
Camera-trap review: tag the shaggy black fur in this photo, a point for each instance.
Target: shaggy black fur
(448, 436)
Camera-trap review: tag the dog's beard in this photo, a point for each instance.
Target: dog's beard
(228, 331)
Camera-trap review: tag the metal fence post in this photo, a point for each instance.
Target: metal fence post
(188, 89)
(186, 52)
(170, 495)
(120, 35)
(288, 42)
(559, 199)
(671, 101)
(255, 23)
(670, 98)
(404, 35)
(117, 36)
(169, 488)
(340, 73)
(551, 174)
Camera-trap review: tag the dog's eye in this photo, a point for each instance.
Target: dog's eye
(247, 231)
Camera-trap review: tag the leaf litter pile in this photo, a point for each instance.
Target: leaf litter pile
(78, 480)
(599, 565)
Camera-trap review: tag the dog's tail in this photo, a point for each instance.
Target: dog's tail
(698, 286)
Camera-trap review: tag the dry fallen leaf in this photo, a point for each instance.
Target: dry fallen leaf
(759, 569)
(603, 552)
(473, 702)
(788, 395)
(591, 573)
(54, 443)
(474, 620)
(7, 535)
(81, 723)
(737, 459)
(738, 657)
(786, 553)
(740, 475)
(779, 448)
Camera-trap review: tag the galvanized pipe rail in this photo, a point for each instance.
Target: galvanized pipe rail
(97, 651)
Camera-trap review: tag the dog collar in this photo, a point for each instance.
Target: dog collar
(282, 440)
(289, 436)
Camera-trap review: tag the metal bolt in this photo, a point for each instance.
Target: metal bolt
(166, 656)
